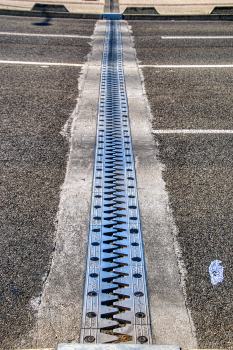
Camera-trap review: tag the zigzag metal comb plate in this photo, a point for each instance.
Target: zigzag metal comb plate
(115, 305)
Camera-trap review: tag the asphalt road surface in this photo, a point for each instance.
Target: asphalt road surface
(36, 101)
(198, 166)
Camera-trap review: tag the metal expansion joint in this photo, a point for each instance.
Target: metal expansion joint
(115, 306)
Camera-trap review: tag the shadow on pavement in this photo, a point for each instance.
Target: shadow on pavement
(46, 21)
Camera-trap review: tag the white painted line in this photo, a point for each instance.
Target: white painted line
(47, 35)
(43, 63)
(186, 65)
(192, 131)
(196, 37)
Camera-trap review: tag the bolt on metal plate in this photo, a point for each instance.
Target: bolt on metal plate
(115, 305)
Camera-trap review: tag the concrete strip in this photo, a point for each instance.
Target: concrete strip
(88, 7)
(178, 17)
(175, 10)
(171, 321)
(165, 7)
(177, 7)
(97, 13)
(147, 3)
(59, 310)
(121, 346)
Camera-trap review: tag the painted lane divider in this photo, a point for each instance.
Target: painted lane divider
(47, 35)
(115, 305)
(192, 131)
(185, 65)
(43, 63)
(213, 37)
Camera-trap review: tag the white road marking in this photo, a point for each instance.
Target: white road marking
(186, 65)
(47, 35)
(197, 37)
(192, 131)
(43, 63)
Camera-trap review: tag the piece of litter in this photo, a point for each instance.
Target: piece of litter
(216, 272)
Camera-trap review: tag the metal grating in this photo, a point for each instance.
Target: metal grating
(115, 306)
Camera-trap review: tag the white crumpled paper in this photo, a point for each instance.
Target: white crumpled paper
(216, 272)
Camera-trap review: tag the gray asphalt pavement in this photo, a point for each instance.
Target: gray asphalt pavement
(198, 167)
(36, 101)
(45, 49)
(152, 49)
(190, 98)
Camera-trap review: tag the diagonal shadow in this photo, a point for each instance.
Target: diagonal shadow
(46, 21)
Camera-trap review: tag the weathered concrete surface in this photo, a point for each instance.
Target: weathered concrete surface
(71, 5)
(176, 7)
(121, 346)
(171, 323)
(165, 7)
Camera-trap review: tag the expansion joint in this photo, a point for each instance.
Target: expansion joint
(115, 305)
